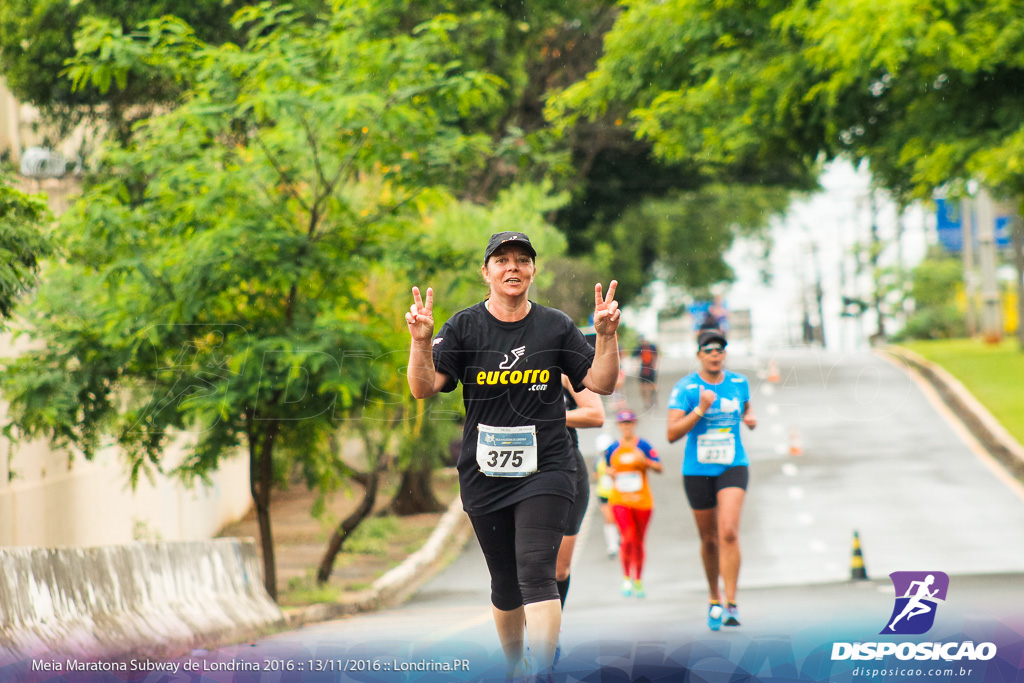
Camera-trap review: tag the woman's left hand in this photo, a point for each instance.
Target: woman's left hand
(606, 310)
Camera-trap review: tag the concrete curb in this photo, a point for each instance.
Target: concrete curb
(450, 534)
(139, 599)
(979, 421)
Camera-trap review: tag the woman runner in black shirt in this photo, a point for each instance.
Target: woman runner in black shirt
(516, 470)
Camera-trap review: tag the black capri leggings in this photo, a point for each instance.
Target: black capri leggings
(579, 506)
(520, 543)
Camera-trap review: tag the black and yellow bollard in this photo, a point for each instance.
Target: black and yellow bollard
(857, 570)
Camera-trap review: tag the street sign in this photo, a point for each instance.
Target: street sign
(948, 225)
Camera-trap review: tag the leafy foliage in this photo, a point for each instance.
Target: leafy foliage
(936, 281)
(218, 279)
(24, 242)
(39, 37)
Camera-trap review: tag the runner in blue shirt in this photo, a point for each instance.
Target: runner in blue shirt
(707, 406)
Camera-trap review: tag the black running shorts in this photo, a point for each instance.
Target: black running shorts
(702, 491)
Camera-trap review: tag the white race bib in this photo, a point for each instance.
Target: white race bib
(605, 482)
(507, 451)
(629, 482)
(716, 448)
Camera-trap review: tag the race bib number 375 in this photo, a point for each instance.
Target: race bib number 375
(507, 451)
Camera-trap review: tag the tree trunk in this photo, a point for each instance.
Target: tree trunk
(370, 483)
(261, 481)
(415, 493)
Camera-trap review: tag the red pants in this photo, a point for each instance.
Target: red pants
(632, 529)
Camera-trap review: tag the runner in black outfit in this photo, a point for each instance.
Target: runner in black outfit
(582, 409)
(516, 470)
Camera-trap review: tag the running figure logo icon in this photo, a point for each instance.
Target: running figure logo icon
(917, 597)
(516, 355)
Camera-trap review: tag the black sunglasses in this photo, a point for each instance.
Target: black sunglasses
(711, 348)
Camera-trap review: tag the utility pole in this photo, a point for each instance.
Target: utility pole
(819, 293)
(876, 249)
(991, 314)
(901, 275)
(967, 249)
(806, 330)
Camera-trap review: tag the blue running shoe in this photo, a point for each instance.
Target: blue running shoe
(638, 589)
(627, 586)
(732, 615)
(715, 616)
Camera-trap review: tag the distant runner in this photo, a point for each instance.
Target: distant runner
(583, 409)
(628, 460)
(707, 407)
(647, 352)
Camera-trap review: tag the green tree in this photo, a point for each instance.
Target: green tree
(927, 92)
(23, 244)
(684, 236)
(695, 81)
(938, 86)
(539, 47)
(38, 37)
(678, 78)
(935, 283)
(216, 281)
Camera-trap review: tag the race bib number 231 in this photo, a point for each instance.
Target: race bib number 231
(716, 448)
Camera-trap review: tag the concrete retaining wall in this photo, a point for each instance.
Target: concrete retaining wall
(140, 599)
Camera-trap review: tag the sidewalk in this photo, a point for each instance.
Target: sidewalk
(363, 581)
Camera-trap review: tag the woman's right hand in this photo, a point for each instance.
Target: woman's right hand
(707, 399)
(420, 317)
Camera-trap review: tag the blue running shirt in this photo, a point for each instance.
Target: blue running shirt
(712, 432)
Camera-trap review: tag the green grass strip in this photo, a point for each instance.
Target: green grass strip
(994, 373)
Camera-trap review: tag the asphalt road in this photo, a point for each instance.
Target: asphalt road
(878, 456)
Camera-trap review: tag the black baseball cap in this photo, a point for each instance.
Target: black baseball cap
(708, 336)
(517, 238)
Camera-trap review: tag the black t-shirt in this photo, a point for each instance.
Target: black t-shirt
(512, 377)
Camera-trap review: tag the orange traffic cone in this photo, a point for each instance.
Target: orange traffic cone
(857, 570)
(796, 446)
(773, 372)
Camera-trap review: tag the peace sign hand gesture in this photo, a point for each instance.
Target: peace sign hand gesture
(420, 317)
(606, 310)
